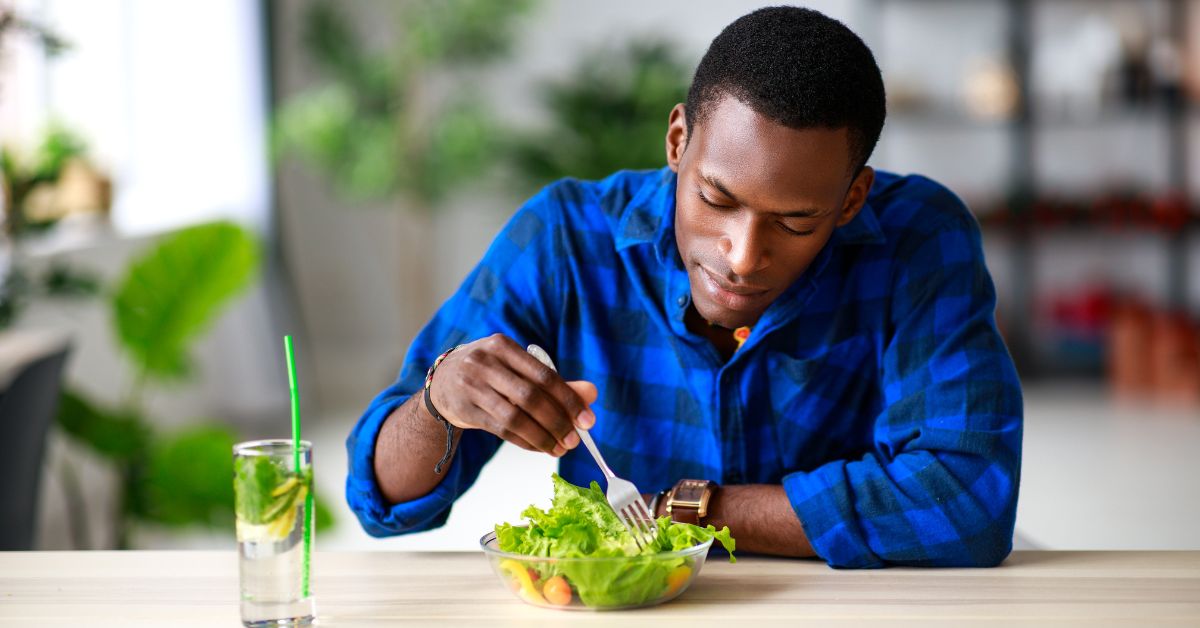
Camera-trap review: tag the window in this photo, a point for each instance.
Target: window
(170, 97)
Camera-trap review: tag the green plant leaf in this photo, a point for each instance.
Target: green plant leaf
(461, 144)
(461, 31)
(185, 479)
(58, 146)
(316, 125)
(120, 437)
(175, 291)
(323, 514)
(609, 115)
(64, 280)
(383, 123)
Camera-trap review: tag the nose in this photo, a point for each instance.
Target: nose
(744, 246)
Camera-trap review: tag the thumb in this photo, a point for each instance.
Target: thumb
(585, 390)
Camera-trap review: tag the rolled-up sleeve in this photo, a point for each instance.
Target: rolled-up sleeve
(430, 511)
(516, 289)
(940, 486)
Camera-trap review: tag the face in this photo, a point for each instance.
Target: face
(755, 202)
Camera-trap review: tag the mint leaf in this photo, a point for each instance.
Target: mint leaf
(254, 477)
(265, 490)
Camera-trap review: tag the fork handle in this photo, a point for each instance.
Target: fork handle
(591, 447)
(543, 357)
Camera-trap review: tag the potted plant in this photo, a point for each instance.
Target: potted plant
(167, 299)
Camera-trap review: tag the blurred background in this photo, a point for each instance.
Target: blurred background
(184, 182)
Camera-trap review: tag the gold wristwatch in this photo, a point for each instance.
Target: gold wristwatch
(688, 500)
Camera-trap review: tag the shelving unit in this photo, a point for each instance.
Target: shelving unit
(1015, 218)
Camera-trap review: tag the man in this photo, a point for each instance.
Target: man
(767, 324)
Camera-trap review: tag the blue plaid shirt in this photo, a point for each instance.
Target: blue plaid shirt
(876, 389)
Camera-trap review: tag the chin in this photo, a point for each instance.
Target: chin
(729, 319)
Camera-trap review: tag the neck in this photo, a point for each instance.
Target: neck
(722, 338)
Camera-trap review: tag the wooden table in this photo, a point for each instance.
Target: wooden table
(199, 588)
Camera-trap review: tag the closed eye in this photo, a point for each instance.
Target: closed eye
(791, 231)
(786, 229)
(708, 202)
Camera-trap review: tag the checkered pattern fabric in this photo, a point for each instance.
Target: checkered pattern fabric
(876, 389)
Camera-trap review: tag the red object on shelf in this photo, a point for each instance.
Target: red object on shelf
(1088, 311)
(1154, 354)
(1170, 211)
(1128, 357)
(1175, 359)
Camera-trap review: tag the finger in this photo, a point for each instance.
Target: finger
(483, 419)
(549, 381)
(537, 404)
(588, 392)
(563, 405)
(511, 423)
(520, 442)
(489, 367)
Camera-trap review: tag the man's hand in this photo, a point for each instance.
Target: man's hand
(492, 384)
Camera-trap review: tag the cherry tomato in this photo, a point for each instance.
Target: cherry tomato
(557, 591)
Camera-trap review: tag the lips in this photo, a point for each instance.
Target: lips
(732, 297)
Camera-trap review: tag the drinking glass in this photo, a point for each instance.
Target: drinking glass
(272, 483)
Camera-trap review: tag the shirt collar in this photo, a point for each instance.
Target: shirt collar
(864, 229)
(650, 216)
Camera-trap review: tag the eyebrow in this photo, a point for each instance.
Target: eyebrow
(799, 213)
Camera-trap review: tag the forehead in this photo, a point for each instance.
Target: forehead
(757, 156)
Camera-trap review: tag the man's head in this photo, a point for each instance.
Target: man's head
(771, 146)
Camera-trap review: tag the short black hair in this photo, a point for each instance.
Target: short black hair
(798, 67)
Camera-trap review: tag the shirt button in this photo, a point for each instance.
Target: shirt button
(681, 301)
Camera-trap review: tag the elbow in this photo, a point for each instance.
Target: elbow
(381, 525)
(986, 548)
(380, 519)
(983, 516)
(992, 540)
(990, 548)
(983, 543)
(976, 531)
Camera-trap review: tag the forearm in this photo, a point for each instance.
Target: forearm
(409, 446)
(759, 516)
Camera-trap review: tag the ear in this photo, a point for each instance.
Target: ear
(856, 197)
(676, 137)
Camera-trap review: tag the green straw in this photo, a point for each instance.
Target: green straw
(295, 391)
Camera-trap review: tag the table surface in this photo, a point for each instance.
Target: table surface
(199, 588)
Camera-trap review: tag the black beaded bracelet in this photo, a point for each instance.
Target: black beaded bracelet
(437, 415)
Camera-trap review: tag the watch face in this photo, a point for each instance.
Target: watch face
(689, 500)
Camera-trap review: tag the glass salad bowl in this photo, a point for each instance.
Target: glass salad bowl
(596, 582)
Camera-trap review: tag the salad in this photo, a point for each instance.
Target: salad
(581, 524)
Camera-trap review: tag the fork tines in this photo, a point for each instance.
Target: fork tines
(639, 522)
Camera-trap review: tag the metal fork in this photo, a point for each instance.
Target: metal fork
(623, 496)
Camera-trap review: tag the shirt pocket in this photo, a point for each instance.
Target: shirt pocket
(824, 402)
